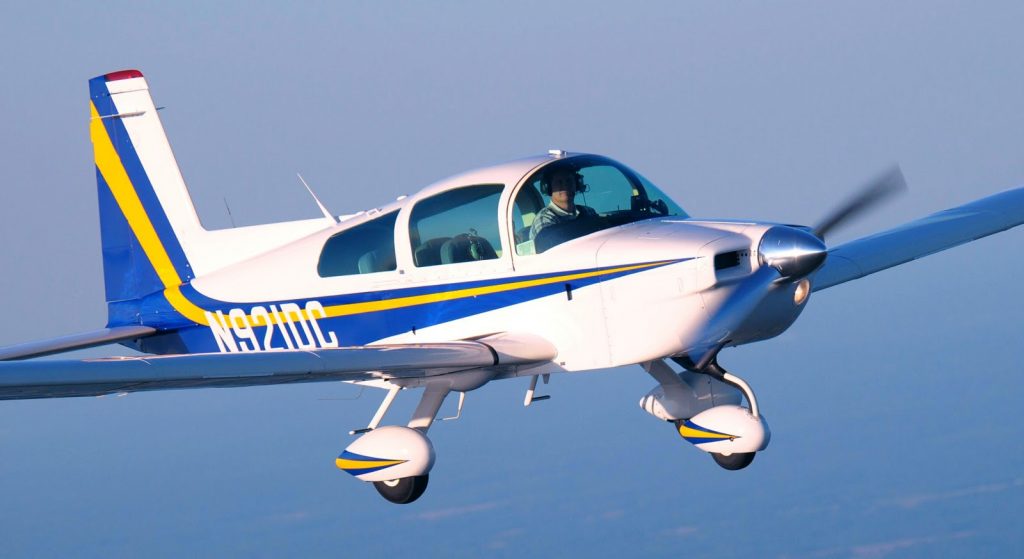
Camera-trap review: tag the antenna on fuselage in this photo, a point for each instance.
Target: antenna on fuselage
(228, 208)
(323, 208)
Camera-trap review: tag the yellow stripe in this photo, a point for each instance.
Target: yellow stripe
(185, 307)
(112, 169)
(346, 464)
(400, 302)
(698, 434)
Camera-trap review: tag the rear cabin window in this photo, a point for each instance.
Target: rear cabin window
(460, 225)
(364, 249)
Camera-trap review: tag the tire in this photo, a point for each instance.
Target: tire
(734, 461)
(404, 490)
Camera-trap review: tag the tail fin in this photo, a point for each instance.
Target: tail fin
(146, 213)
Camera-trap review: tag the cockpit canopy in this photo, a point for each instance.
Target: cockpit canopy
(564, 199)
(580, 195)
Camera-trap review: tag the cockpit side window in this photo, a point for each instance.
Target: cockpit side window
(364, 249)
(459, 225)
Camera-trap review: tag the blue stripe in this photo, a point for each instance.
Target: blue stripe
(127, 271)
(369, 296)
(693, 425)
(348, 455)
(361, 329)
(362, 471)
(140, 179)
(696, 440)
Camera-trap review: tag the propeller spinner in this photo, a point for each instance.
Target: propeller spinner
(786, 254)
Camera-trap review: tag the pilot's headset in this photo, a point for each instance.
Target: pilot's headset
(545, 180)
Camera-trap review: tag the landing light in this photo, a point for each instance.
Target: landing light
(803, 289)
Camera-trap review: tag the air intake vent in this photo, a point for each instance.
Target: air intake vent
(727, 260)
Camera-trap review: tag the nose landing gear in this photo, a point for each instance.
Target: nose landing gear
(706, 413)
(736, 460)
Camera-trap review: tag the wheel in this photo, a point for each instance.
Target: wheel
(404, 490)
(734, 461)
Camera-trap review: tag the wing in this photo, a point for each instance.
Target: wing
(94, 377)
(937, 232)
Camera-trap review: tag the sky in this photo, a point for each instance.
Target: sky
(891, 400)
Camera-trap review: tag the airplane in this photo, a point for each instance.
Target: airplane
(557, 263)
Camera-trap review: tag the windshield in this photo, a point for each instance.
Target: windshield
(578, 196)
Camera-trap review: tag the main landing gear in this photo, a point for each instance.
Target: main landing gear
(396, 459)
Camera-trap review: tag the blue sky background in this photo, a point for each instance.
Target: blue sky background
(894, 400)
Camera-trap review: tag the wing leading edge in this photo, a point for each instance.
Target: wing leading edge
(95, 377)
(916, 239)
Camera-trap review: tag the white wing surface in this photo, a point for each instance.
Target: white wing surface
(94, 377)
(928, 235)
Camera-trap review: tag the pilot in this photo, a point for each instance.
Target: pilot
(561, 185)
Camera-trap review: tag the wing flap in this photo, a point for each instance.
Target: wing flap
(917, 239)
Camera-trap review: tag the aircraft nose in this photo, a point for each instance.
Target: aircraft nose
(795, 253)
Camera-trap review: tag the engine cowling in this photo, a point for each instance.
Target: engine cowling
(388, 453)
(726, 430)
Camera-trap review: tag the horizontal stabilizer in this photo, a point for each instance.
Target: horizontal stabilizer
(75, 341)
(935, 233)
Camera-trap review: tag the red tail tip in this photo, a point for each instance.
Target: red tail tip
(122, 75)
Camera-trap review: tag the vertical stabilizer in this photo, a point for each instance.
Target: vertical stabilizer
(146, 214)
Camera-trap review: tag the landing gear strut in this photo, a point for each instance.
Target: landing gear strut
(405, 490)
(716, 371)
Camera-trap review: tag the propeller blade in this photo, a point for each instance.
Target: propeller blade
(888, 183)
(729, 317)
